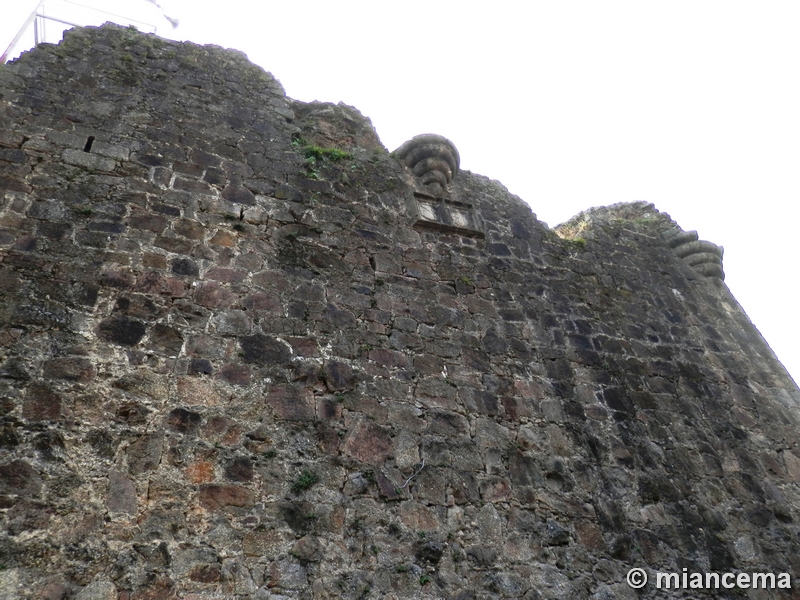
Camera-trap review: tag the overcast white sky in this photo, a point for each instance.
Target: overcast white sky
(690, 105)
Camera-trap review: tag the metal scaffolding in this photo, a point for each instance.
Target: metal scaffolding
(51, 18)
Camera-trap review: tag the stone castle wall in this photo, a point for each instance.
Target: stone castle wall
(248, 353)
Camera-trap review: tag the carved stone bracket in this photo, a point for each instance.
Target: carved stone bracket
(704, 257)
(433, 159)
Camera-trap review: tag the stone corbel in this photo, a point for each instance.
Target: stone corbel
(433, 159)
(704, 257)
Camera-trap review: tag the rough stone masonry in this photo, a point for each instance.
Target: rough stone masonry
(246, 352)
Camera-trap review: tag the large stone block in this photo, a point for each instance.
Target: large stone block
(368, 442)
(219, 496)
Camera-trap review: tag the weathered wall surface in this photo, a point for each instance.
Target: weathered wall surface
(227, 351)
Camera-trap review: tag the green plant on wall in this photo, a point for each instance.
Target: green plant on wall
(304, 481)
(315, 156)
(577, 244)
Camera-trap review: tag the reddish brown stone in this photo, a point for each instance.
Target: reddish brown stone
(261, 301)
(223, 238)
(388, 488)
(267, 544)
(235, 374)
(18, 477)
(524, 470)
(121, 494)
(205, 573)
(272, 280)
(368, 442)
(226, 275)
(744, 417)
(516, 407)
(590, 535)
(28, 516)
(55, 590)
(71, 368)
(329, 408)
(529, 389)
(14, 185)
(418, 517)
(338, 376)
(308, 549)
(238, 195)
(189, 229)
(427, 364)
(792, 463)
(596, 412)
(222, 430)
(173, 287)
(368, 405)
(149, 222)
(239, 469)
(176, 245)
(291, 403)
(41, 404)
(496, 489)
(144, 381)
(183, 421)
(249, 261)
(306, 347)
(166, 338)
(154, 261)
(204, 159)
(201, 471)
(149, 283)
(328, 439)
(264, 350)
(145, 453)
(191, 185)
(195, 391)
(213, 295)
(153, 282)
(215, 497)
(772, 464)
(388, 358)
(25, 243)
(162, 589)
